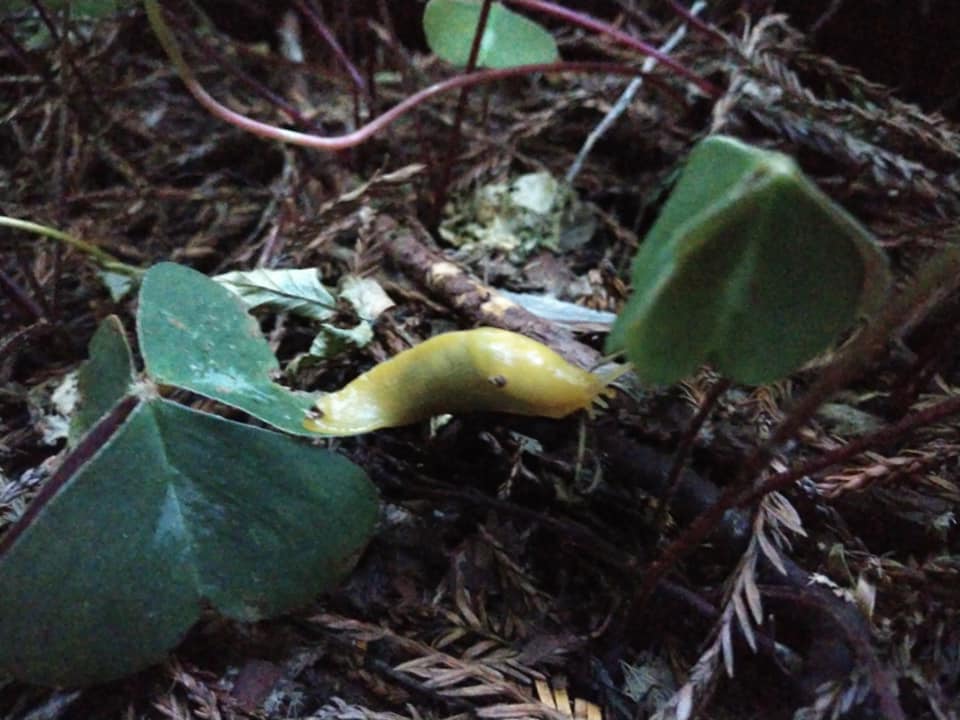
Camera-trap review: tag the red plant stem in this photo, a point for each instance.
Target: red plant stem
(597, 26)
(686, 442)
(441, 189)
(91, 443)
(47, 21)
(697, 23)
(259, 88)
(342, 142)
(736, 496)
(19, 298)
(857, 635)
(313, 17)
(67, 59)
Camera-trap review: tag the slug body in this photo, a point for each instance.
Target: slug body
(482, 370)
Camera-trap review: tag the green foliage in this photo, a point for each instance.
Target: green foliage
(162, 510)
(92, 9)
(104, 379)
(196, 334)
(750, 267)
(294, 290)
(508, 40)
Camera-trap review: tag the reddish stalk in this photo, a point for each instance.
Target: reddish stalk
(686, 443)
(348, 140)
(736, 496)
(252, 83)
(697, 23)
(440, 192)
(309, 11)
(265, 130)
(585, 21)
(19, 298)
(939, 272)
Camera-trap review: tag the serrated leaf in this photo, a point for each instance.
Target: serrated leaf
(508, 40)
(750, 267)
(177, 510)
(104, 378)
(196, 334)
(298, 291)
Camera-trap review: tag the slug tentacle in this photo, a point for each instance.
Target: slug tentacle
(482, 370)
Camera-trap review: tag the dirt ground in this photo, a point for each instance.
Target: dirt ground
(521, 566)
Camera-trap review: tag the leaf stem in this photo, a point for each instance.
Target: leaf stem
(939, 271)
(585, 21)
(343, 142)
(106, 260)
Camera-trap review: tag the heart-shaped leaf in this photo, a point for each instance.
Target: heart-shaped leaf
(104, 379)
(178, 510)
(195, 334)
(508, 40)
(750, 267)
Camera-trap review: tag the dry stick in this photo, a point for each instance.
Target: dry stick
(623, 102)
(941, 270)
(470, 297)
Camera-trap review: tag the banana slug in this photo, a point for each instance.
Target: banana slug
(482, 370)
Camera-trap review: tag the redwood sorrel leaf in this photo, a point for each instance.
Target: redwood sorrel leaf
(104, 379)
(177, 510)
(508, 40)
(750, 268)
(197, 335)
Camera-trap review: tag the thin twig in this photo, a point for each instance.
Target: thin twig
(19, 298)
(309, 11)
(625, 99)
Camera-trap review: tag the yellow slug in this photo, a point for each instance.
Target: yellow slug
(482, 370)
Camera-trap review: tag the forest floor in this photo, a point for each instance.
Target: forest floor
(505, 577)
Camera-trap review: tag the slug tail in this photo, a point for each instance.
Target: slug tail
(611, 375)
(607, 378)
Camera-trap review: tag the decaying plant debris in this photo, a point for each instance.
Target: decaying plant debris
(504, 580)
